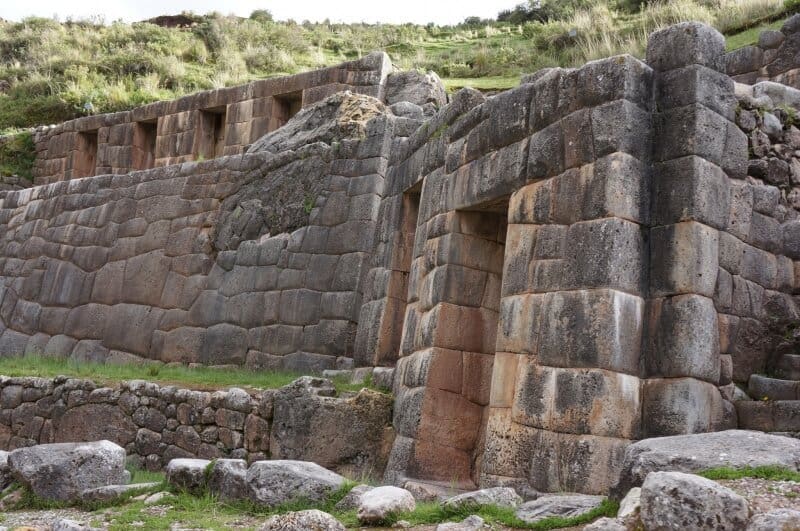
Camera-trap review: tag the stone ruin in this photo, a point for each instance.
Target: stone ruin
(595, 257)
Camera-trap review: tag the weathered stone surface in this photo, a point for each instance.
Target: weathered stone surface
(689, 453)
(188, 474)
(353, 498)
(61, 472)
(499, 496)
(274, 482)
(674, 500)
(312, 519)
(346, 433)
(228, 479)
(563, 505)
(775, 520)
(470, 523)
(112, 492)
(380, 503)
(415, 87)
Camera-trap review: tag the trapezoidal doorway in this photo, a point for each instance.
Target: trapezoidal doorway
(461, 296)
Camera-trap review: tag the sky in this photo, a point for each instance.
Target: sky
(387, 11)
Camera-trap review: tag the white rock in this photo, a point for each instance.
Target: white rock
(188, 474)
(378, 504)
(62, 471)
(227, 479)
(630, 506)
(605, 524)
(353, 498)
(674, 500)
(311, 520)
(65, 524)
(777, 520)
(563, 505)
(499, 496)
(470, 523)
(272, 483)
(157, 498)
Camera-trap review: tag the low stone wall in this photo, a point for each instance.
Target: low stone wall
(155, 423)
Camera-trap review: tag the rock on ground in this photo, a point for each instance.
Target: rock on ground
(379, 503)
(5, 471)
(272, 483)
(62, 471)
(470, 523)
(777, 520)
(674, 500)
(228, 479)
(188, 474)
(563, 505)
(605, 524)
(311, 520)
(65, 524)
(112, 492)
(500, 496)
(691, 453)
(353, 498)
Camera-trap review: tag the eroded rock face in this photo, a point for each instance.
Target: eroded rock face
(689, 453)
(499, 496)
(312, 520)
(674, 500)
(61, 472)
(227, 479)
(415, 87)
(347, 434)
(5, 472)
(188, 474)
(272, 483)
(566, 506)
(777, 520)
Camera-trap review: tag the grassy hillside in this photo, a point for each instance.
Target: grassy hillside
(51, 71)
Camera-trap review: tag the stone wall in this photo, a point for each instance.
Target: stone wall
(304, 420)
(204, 125)
(191, 259)
(772, 59)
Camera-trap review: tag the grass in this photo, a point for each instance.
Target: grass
(772, 473)
(750, 37)
(200, 377)
(17, 154)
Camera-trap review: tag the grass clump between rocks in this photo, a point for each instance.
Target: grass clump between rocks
(772, 473)
(200, 377)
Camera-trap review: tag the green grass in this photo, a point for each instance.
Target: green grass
(17, 154)
(200, 377)
(773, 473)
(750, 37)
(453, 84)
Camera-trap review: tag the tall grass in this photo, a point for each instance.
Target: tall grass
(50, 70)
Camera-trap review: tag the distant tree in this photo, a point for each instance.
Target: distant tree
(261, 15)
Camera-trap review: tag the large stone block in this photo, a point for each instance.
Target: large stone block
(674, 406)
(131, 328)
(690, 189)
(683, 259)
(145, 277)
(580, 401)
(683, 338)
(685, 44)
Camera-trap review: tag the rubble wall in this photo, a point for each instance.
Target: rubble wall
(157, 423)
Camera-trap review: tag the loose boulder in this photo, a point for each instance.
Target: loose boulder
(272, 483)
(112, 492)
(311, 520)
(692, 453)
(777, 520)
(499, 496)
(228, 479)
(353, 498)
(188, 474)
(470, 523)
(674, 500)
(382, 502)
(62, 471)
(415, 87)
(605, 524)
(563, 505)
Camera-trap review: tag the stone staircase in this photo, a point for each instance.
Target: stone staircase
(776, 399)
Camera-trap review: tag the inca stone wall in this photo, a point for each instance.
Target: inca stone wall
(201, 126)
(304, 420)
(772, 59)
(588, 259)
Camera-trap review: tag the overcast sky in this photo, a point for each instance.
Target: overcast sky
(390, 11)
